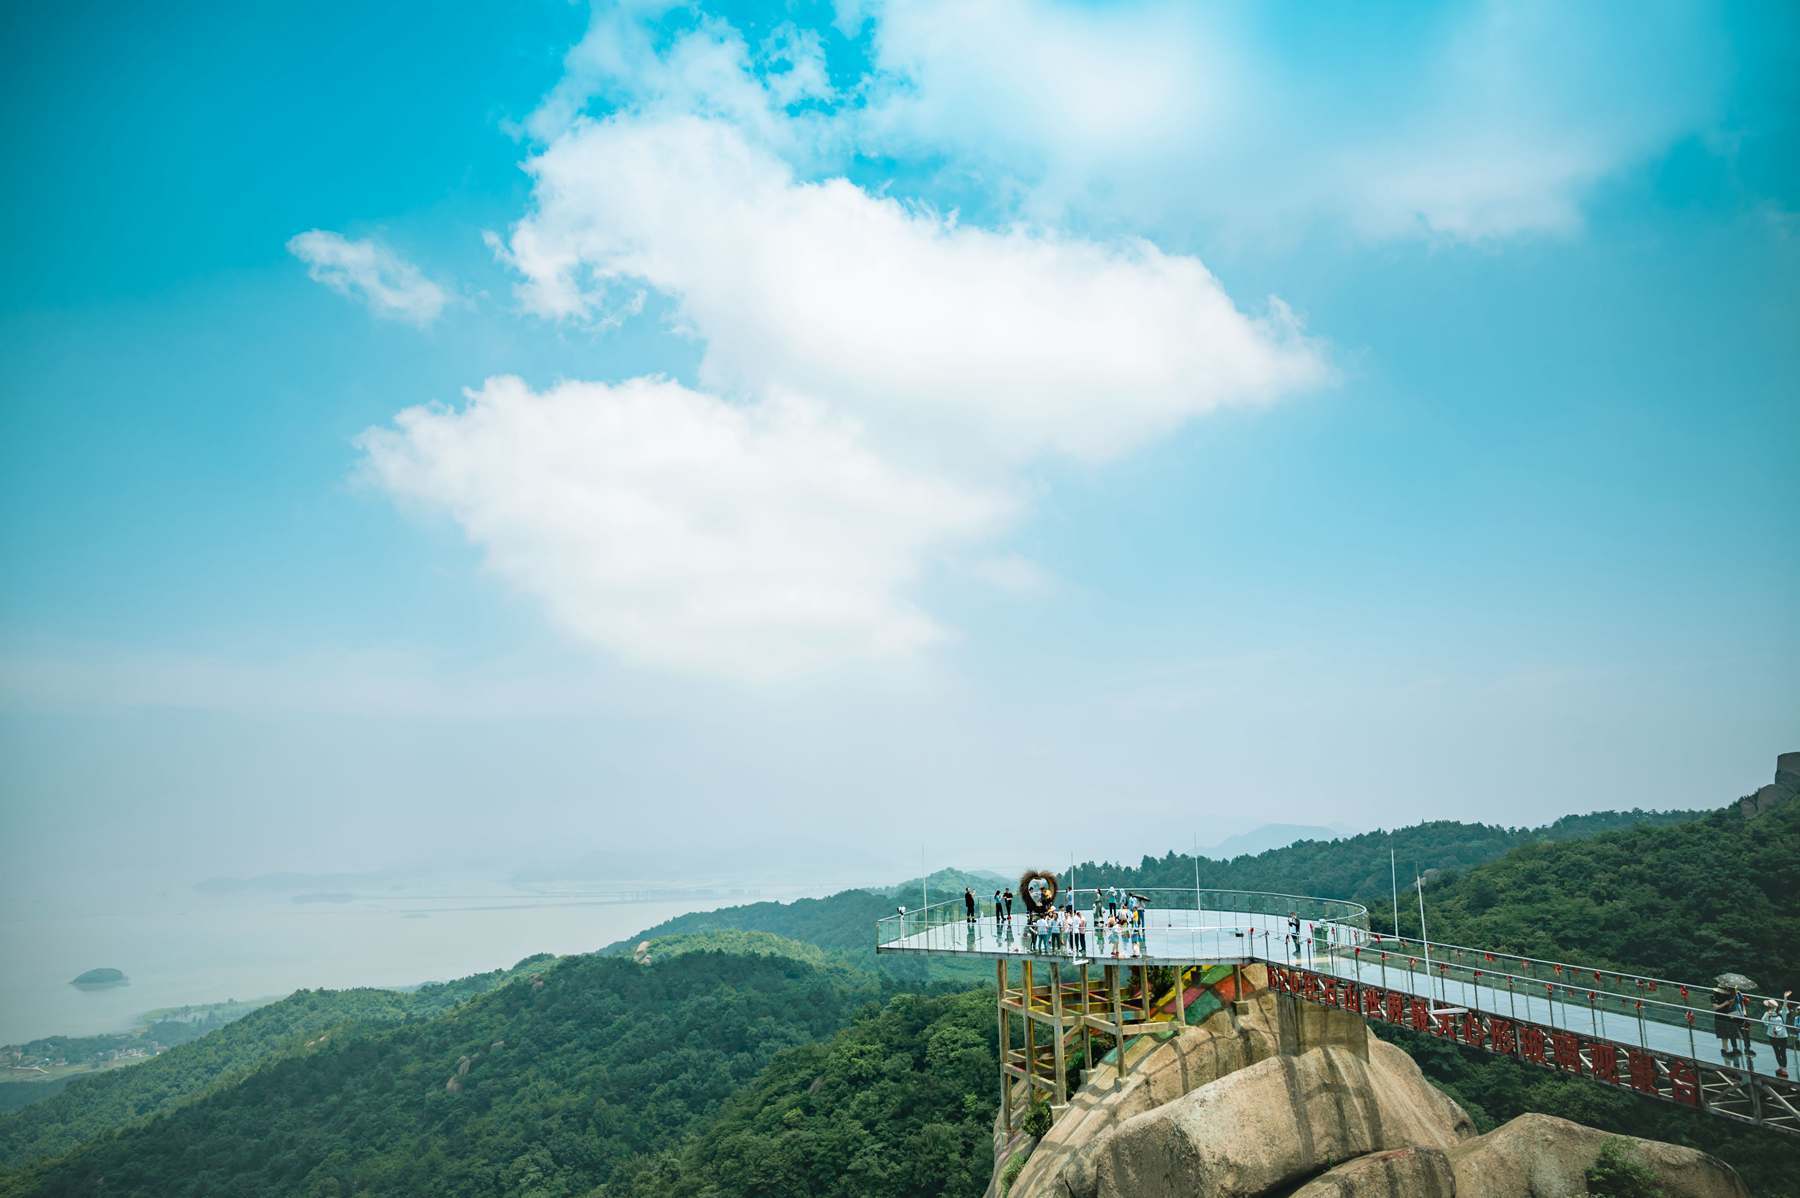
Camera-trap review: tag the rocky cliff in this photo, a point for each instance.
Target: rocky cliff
(1276, 1097)
(1784, 789)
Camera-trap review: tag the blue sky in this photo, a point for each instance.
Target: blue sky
(1215, 415)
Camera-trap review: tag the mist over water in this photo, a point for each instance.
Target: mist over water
(194, 947)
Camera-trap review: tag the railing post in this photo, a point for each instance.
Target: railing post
(1027, 992)
(1006, 1111)
(1087, 1009)
(1056, 1052)
(1118, 1014)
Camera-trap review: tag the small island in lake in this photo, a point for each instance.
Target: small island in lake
(96, 978)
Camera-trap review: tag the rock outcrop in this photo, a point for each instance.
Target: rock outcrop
(1269, 1126)
(1276, 1097)
(1784, 789)
(1541, 1156)
(1396, 1173)
(1160, 1070)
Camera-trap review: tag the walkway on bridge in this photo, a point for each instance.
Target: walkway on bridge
(1650, 1035)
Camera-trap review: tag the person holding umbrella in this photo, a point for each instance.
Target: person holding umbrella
(1728, 1004)
(1724, 1026)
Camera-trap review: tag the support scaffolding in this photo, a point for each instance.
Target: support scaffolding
(1065, 1011)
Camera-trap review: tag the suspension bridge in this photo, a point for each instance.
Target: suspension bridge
(1651, 1036)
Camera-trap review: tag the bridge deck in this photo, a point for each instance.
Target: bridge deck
(1469, 995)
(1178, 937)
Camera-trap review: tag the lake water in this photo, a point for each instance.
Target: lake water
(196, 948)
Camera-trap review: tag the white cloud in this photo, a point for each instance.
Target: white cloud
(1486, 121)
(674, 529)
(706, 69)
(980, 345)
(1012, 573)
(875, 375)
(1493, 122)
(367, 270)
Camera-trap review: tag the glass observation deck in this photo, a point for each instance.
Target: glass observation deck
(1183, 927)
(1180, 927)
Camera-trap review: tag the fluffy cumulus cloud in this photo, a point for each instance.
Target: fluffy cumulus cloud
(875, 373)
(774, 90)
(1008, 343)
(672, 528)
(392, 287)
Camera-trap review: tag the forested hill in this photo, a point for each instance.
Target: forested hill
(543, 1087)
(898, 1105)
(91, 1106)
(1357, 866)
(1353, 867)
(1684, 902)
(843, 922)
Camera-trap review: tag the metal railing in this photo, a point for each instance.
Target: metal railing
(1657, 1066)
(1183, 924)
(1573, 996)
(1223, 925)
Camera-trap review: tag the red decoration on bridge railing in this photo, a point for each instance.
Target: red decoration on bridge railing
(1684, 1082)
(1531, 1044)
(1643, 1070)
(1647, 1071)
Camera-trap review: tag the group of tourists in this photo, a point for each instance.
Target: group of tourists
(1735, 1020)
(1117, 924)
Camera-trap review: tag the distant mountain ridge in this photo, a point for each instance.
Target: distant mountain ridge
(1273, 836)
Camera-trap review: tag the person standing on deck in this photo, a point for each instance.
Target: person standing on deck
(1724, 1005)
(1009, 898)
(999, 912)
(1774, 1022)
(969, 903)
(1744, 1021)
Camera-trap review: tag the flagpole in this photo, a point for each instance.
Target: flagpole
(1419, 885)
(1196, 879)
(1394, 881)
